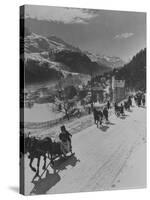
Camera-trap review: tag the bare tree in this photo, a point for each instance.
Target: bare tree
(62, 101)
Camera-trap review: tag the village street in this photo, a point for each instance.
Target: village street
(105, 158)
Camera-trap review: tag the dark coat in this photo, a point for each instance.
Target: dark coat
(121, 109)
(105, 112)
(108, 104)
(100, 114)
(65, 136)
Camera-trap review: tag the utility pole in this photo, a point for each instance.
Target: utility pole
(91, 92)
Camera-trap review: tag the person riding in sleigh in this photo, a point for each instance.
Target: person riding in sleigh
(65, 138)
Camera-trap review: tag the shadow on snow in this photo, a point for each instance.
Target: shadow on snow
(43, 185)
(124, 116)
(105, 127)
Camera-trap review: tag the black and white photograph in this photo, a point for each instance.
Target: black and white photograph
(83, 100)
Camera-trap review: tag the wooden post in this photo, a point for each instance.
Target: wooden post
(91, 93)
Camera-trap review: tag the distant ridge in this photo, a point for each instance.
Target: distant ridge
(48, 58)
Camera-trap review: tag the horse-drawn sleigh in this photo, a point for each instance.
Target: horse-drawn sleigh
(100, 113)
(119, 109)
(47, 148)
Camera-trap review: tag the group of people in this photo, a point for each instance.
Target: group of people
(65, 136)
(103, 113)
(126, 105)
(119, 110)
(139, 98)
(100, 114)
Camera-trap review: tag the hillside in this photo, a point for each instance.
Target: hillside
(48, 58)
(135, 72)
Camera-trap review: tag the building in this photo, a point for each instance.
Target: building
(118, 90)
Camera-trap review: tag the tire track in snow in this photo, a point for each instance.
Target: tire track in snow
(109, 171)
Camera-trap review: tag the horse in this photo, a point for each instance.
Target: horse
(105, 113)
(43, 148)
(127, 105)
(138, 99)
(98, 118)
(37, 149)
(130, 101)
(117, 110)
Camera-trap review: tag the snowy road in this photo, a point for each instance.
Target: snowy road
(106, 158)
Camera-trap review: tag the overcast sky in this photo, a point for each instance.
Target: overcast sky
(112, 33)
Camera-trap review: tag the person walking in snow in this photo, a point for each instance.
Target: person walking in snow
(108, 105)
(105, 113)
(95, 114)
(122, 109)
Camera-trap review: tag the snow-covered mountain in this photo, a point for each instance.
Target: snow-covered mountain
(35, 43)
(109, 61)
(49, 58)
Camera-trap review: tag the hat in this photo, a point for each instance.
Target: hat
(63, 127)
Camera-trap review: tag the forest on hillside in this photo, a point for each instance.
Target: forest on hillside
(134, 72)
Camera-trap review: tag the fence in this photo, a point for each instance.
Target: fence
(48, 124)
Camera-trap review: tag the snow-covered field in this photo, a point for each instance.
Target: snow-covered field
(40, 113)
(112, 157)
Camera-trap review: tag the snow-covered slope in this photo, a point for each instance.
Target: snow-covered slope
(37, 43)
(109, 61)
(48, 58)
